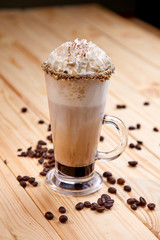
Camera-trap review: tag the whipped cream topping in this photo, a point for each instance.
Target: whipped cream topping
(79, 57)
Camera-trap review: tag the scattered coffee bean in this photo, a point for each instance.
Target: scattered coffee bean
(23, 154)
(87, 204)
(79, 206)
(62, 209)
(138, 147)
(23, 184)
(5, 162)
(19, 178)
(138, 126)
(24, 109)
(142, 201)
(120, 181)
(50, 138)
(155, 129)
(100, 208)
(19, 149)
(100, 202)
(107, 174)
(26, 178)
(41, 142)
(139, 142)
(131, 145)
(43, 173)
(63, 218)
(151, 206)
(131, 128)
(127, 188)
(94, 206)
(49, 215)
(106, 197)
(35, 184)
(110, 201)
(131, 201)
(120, 106)
(41, 122)
(133, 163)
(31, 180)
(111, 180)
(49, 127)
(146, 103)
(108, 205)
(134, 206)
(51, 150)
(41, 160)
(101, 138)
(112, 190)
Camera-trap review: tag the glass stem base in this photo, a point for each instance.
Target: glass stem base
(73, 186)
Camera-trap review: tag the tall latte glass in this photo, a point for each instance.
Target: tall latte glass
(77, 104)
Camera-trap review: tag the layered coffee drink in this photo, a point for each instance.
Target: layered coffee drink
(77, 75)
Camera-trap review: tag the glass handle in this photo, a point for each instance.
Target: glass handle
(115, 153)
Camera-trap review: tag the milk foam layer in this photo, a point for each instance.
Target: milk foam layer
(79, 57)
(81, 93)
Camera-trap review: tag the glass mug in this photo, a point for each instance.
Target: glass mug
(77, 113)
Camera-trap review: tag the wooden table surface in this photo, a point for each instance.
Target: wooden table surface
(26, 39)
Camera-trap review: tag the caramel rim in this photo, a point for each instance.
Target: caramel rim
(58, 76)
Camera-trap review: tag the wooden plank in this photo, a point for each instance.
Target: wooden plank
(21, 217)
(119, 82)
(129, 35)
(121, 216)
(5, 234)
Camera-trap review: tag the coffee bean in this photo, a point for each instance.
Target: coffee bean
(108, 205)
(155, 129)
(31, 180)
(19, 178)
(131, 145)
(112, 190)
(120, 106)
(133, 163)
(49, 127)
(127, 188)
(5, 162)
(120, 181)
(111, 180)
(41, 160)
(151, 206)
(40, 121)
(63, 218)
(134, 206)
(100, 208)
(24, 110)
(138, 147)
(142, 201)
(131, 128)
(43, 173)
(50, 138)
(87, 204)
(51, 150)
(62, 209)
(107, 174)
(139, 142)
(101, 138)
(106, 196)
(100, 202)
(94, 206)
(146, 103)
(131, 201)
(35, 184)
(31, 154)
(23, 154)
(138, 203)
(110, 201)
(138, 125)
(19, 149)
(79, 206)
(26, 178)
(49, 215)
(41, 142)
(23, 184)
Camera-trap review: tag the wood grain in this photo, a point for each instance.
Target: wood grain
(26, 39)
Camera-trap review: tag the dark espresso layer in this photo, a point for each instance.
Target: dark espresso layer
(75, 171)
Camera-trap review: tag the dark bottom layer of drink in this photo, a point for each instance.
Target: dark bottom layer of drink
(76, 132)
(75, 171)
